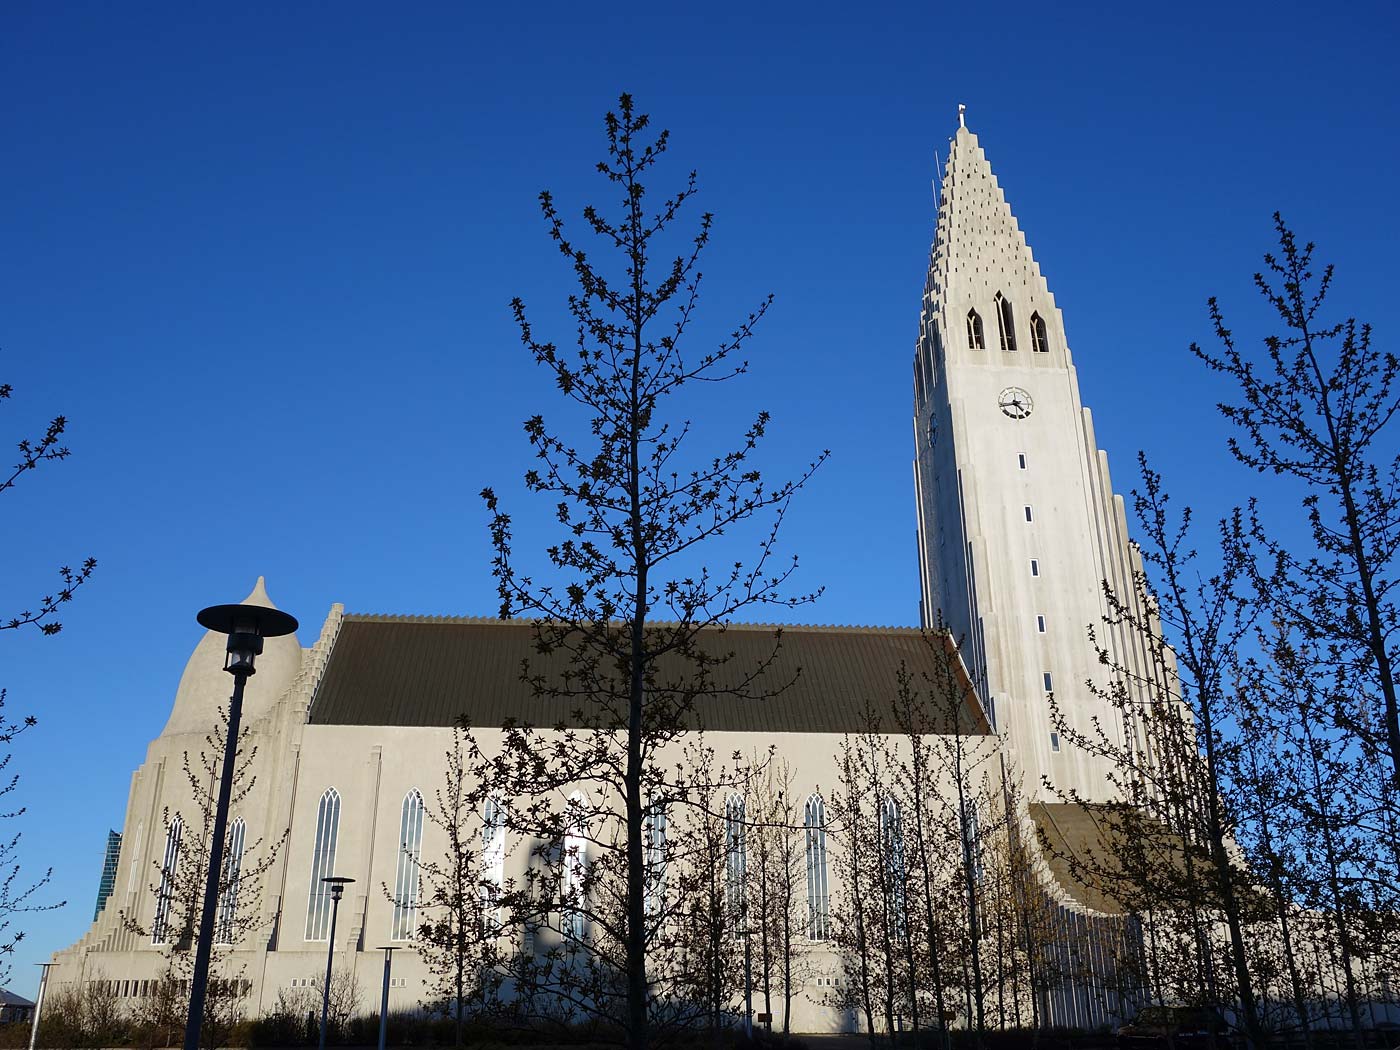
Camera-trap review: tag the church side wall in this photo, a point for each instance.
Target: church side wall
(371, 769)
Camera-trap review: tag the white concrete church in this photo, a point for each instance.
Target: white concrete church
(1018, 525)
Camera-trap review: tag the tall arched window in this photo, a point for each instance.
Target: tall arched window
(818, 897)
(575, 866)
(493, 858)
(160, 925)
(1040, 338)
(974, 331)
(318, 904)
(406, 876)
(892, 843)
(654, 842)
(224, 929)
(1006, 323)
(736, 857)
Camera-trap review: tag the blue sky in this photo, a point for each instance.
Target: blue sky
(262, 258)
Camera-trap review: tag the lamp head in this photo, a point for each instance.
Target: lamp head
(246, 627)
(337, 884)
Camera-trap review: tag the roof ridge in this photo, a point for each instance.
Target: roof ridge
(526, 621)
(427, 618)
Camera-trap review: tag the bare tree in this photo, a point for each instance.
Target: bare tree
(344, 1001)
(85, 1013)
(33, 453)
(17, 892)
(1315, 408)
(457, 931)
(1166, 845)
(854, 812)
(1319, 833)
(637, 512)
(971, 818)
(178, 889)
(789, 847)
(716, 890)
(925, 709)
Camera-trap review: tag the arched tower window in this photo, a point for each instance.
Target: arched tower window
(160, 925)
(974, 331)
(1040, 338)
(736, 858)
(224, 929)
(318, 902)
(493, 857)
(654, 843)
(818, 895)
(406, 875)
(1006, 323)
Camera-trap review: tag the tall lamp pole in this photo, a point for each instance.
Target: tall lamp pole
(246, 627)
(337, 884)
(389, 950)
(39, 1003)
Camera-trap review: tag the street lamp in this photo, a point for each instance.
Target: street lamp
(246, 627)
(337, 883)
(388, 950)
(39, 1002)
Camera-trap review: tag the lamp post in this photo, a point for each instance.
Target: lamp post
(337, 883)
(39, 1003)
(246, 627)
(388, 950)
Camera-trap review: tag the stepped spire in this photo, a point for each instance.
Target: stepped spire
(978, 248)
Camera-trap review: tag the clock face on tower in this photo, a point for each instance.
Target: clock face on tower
(1015, 402)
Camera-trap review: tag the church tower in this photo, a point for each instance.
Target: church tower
(1018, 524)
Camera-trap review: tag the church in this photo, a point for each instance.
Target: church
(1018, 527)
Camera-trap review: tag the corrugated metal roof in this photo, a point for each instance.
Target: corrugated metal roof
(421, 671)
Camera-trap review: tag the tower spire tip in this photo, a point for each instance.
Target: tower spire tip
(962, 115)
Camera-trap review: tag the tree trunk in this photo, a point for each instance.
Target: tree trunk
(1322, 793)
(787, 976)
